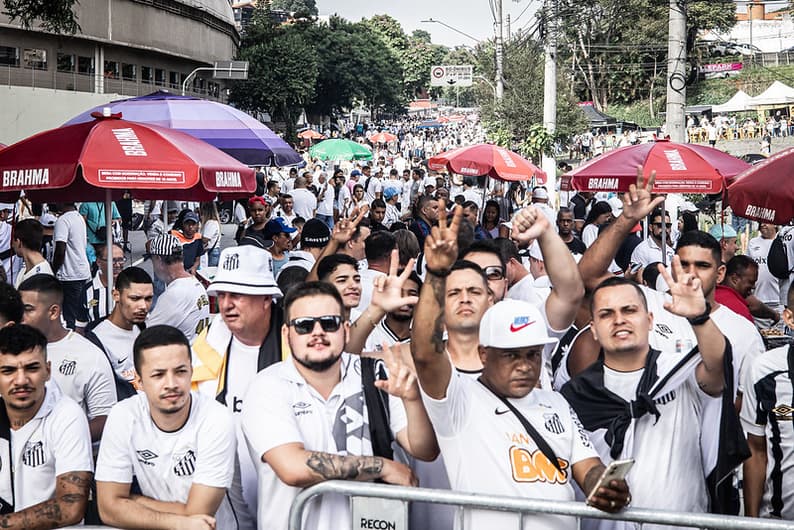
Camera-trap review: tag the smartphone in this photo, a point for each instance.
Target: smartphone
(634, 267)
(617, 470)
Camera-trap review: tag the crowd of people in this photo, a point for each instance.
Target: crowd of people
(380, 322)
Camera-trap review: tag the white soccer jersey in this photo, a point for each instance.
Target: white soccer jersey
(767, 288)
(39, 268)
(167, 464)
(281, 408)
(382, 334)
(767, 411)
(487, 450)
(83, 373)
(95, 300)
(184, 305)
(56, 441)
(118, 345)
(70, 229)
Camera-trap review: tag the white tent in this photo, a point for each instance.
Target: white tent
(739, 102)
(777, 94)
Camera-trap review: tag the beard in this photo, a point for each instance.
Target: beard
(402, 317)
(322, 365)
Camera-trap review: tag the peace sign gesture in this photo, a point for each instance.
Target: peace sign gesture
(402, 381)
(388, 290)
(345, 228)
(441, 245)
(637, 202)
(687, 291)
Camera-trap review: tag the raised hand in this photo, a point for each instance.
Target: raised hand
(402, 381)
(345, 228)
(687, 292)
(388, 290)
(441, 245)
(528, 225)
(638, 202)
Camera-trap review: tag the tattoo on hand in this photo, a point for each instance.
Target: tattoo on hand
(332, 467)
(439, 286)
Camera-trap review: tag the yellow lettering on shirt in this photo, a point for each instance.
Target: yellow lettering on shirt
(535, 467)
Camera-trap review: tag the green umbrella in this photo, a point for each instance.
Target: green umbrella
(338, 149)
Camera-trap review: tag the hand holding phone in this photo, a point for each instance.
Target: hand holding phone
(615, 497)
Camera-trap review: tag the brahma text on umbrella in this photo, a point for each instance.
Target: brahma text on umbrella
(767, 214)
(26, 177)
(602, 184)
(675, 160)
(129, 142)
(228, 179)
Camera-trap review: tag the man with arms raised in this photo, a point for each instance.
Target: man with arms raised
(288, 421)
(179, 445)
(535, 444)
(45, 445)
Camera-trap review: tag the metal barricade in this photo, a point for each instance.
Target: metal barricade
(522, 507)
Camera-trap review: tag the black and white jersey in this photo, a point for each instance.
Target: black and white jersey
(95, 300)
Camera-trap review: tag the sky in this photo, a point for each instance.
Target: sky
(469, 16)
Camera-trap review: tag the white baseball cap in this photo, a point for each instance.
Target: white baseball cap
(245, 269)
(513, 324)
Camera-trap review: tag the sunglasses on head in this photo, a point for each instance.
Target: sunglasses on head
(305, 325)
(494, 272)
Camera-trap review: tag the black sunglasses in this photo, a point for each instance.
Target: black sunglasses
(659, 225)
(305, 325)
(494, 272)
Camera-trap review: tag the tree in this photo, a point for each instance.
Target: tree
(57, 16)
(299, 7)
(421, 35)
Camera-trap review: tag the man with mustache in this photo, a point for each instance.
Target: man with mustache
(177, 444)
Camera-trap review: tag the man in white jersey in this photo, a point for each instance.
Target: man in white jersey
(179, 446)
(45, 445)
(81, 370)
(94, 298)
(27, 243)
(535, 443)
(307, 419)
(767, 287)
(184, 304)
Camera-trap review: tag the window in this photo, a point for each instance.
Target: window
(85, 65)
(159, 76)
(111, 70)
(66, 62)
(35, 58)
(147, 74)
(9, 56)
(129, 72)
(173, 79)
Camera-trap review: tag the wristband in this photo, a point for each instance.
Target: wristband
(438, 274)
(702, 318)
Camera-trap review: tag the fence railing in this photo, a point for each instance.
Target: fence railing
(522, 507)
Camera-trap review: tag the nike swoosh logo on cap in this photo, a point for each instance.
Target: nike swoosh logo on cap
(515, 328)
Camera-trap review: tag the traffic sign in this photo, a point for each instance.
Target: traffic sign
(451, 75)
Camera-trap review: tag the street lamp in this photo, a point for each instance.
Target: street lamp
(434, 21)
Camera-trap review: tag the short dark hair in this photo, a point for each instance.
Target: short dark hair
(470, 205)
(562, 210)
(289, 277)
(160, 335)
(616, 281)
(738, 264)
(30, 233)
(414, 277)
(11, 307)
(377, 203)
(328, 264)
(46, 284)
(488, 246)
(21, 338)
(466, 265)
(378, 245)
(131, 275)
(465, 237)
(657, 212)
(311, 289)
(407, 244)
(698, 238)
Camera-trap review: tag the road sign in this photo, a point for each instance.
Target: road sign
(450, 75)
(230, 70)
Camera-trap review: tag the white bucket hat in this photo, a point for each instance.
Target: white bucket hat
(245, 270)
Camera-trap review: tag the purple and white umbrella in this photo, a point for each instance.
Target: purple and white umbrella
(230, 130)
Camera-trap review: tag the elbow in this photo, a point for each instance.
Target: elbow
(295, 478)
(74, 512)
(427, 454)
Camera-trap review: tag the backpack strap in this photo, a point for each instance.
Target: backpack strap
(377, 411)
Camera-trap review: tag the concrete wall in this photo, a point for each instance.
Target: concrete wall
(22, 113)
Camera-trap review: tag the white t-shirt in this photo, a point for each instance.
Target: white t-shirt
(382, 334)
(282, 408)
(184, 305)
(375, 185)
(298, 258)
(118, 345)
(39, 268)
(304, 203)
(5, 244)
(648, 252)
(56, 441)
(487, 450)
(70, 229)
(167, 464)
(83, 373)
(325, 205)
(767, 288)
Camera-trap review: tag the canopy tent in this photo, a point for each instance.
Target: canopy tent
(739, 102)
(777, 95)
(595, 117)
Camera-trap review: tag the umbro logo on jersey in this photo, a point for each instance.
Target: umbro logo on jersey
(663, 330)
(520, 323)
(231, 262)
(67, 367)
(33, 454)
(300, 408)
(783, 412)
(145, 457)
(553, 423)
(500, 412)
(186, 465)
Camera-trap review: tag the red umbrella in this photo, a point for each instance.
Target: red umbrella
(487, 159)
(680, 168)
(382, 138)
(765, 192)
(310, 134)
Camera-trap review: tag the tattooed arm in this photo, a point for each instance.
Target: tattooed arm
(297, 467)
(66, 508)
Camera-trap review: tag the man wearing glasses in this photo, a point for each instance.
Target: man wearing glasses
(305, 418)
(650, 250)
(94, 298)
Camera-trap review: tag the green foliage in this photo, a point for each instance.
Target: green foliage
(57, 16)
(538, 142)
(299, 7)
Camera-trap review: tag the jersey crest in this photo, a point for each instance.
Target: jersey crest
(33, 454)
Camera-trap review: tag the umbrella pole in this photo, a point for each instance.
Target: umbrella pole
(109, 249)
(664, 233)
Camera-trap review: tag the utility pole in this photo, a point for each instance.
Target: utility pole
(500, 88)
(509, 36)
(548, 163)
(676, 71)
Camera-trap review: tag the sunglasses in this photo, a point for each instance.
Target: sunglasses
(305, 325)
(494, 272)
(659, 225)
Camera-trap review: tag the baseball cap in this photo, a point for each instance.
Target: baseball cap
(245, 269)
(190, 216)
(722, 232)
(6, 205)
(355, 173)
(390, 193)
(47, 219)
(617, 206)
(540, 193)
(164, 245)
(276, 226)
(256, 239)
(315, 234)
(513, 324)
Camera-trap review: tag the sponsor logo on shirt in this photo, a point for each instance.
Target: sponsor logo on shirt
(533, 466)
(33, 454)
(783, 412)
(500, 412)
(553, 423)
(67, 367)
(300, 408)
(186, 465)
(146, 456)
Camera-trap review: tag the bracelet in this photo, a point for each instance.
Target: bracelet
(438, 274)
(702, 318)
